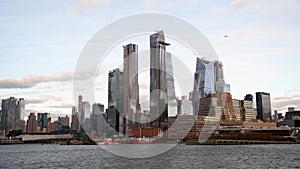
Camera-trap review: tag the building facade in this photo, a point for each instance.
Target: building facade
(75, 125)
(263, 104)
(42, 123)
(160, 79)
(12, 114)
(31, 124)
(131, 87)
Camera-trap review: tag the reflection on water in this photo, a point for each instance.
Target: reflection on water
(181, 156)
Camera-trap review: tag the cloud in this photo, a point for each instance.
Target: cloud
(32, 80)
(265, 7)
(283, 102)
(44, 99)
(62, 105)
(84, 5)
(93, 3)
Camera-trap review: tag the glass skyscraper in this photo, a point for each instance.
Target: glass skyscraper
(115, 101)
(115, 89)
(204, 77)
(208, 79)
(131, 86)
(263, 105)
(161, 80)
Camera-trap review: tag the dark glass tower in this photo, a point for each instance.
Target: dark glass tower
(263, 104)
(159, 79)
(115, 101)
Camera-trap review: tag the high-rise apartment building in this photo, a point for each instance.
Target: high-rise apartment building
(31, 124)
(263, 104)
(12, 114)
(131, 99)
(63, 122)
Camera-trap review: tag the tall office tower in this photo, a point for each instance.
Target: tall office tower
(220, 85)
(11, 114)
(113, 120)
(172, 103)
(98, 123)
(170, 78)
(115, 100)
(204, 78)
(31, 124)
(86, 113)
(75, 122)
(21, 108)
(159, 70)
(115, 89)
(204, 85)
(42, 121)
(208, 79)
(131, 86)
(86, 116)
(263, 104)
(80, 103)
(79, 113)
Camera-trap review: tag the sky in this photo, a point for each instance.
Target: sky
(41, 41)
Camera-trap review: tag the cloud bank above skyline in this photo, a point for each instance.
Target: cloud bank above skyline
(41, 42)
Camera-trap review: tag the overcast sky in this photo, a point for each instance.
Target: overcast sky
(41, 41)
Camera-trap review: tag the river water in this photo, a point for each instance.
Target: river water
(181, 156)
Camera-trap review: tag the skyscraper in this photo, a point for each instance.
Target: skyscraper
(115, 101)
(204, 78)
(159, 72)
(86, 116)
(42, 121)
(21, 108)
(208, 80)
(131, 86)
(220, 85)
(203, 82)
(11, 113)
(31, 124)
(115, 89)
(263, 104)
(98, 123)
(75, 122)
(80, 103)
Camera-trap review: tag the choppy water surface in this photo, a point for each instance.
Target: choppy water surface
(181, 156)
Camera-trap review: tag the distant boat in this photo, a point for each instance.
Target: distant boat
(107, 141)
(143, 141)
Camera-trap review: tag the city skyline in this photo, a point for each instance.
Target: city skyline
(259, 55)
